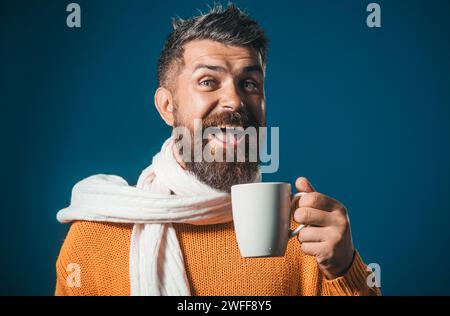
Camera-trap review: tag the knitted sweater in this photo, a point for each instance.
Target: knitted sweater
(212, 260)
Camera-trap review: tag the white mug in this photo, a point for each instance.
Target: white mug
(262, 214)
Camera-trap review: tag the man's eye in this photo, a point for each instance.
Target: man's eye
(207, 83)
(250, 86)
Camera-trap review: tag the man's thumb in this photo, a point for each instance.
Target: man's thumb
(302, 184)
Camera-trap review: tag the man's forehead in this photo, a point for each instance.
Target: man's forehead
(201, 52)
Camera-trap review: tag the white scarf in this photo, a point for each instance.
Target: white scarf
(156, 260)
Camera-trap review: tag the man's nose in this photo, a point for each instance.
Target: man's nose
(231, 98)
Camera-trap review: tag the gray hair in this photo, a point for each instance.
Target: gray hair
(230, 26)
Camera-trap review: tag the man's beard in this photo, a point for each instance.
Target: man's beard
(221, 175)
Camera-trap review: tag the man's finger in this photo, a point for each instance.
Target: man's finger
(312, 234)
(319, 201)
(302, 184)
(312, 248)
(312, 216)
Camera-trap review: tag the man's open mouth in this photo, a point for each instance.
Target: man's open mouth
(227, 135)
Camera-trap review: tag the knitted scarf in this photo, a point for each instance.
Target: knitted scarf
(165, 193)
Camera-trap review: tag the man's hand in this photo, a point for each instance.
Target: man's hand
(326, 234)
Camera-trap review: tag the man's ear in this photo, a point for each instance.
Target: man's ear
(164, 105)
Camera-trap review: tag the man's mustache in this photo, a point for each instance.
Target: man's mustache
(241, 119)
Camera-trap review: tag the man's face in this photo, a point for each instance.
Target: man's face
(218, 78)
(222, 86)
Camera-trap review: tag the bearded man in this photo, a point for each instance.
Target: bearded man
(172, 233)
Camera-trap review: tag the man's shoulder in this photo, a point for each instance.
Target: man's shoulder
(97, 229)
(86, 238)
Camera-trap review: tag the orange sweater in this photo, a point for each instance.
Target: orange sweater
(213, 264)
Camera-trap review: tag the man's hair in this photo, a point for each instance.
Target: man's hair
(230, 26)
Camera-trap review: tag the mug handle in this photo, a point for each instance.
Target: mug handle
(294, 199)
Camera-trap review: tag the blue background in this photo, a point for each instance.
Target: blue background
(363, 113)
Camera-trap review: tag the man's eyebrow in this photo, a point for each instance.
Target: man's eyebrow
(251, 68)
(210, 67)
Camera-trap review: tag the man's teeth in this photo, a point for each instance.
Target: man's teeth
(225, 137)
(228, 134)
